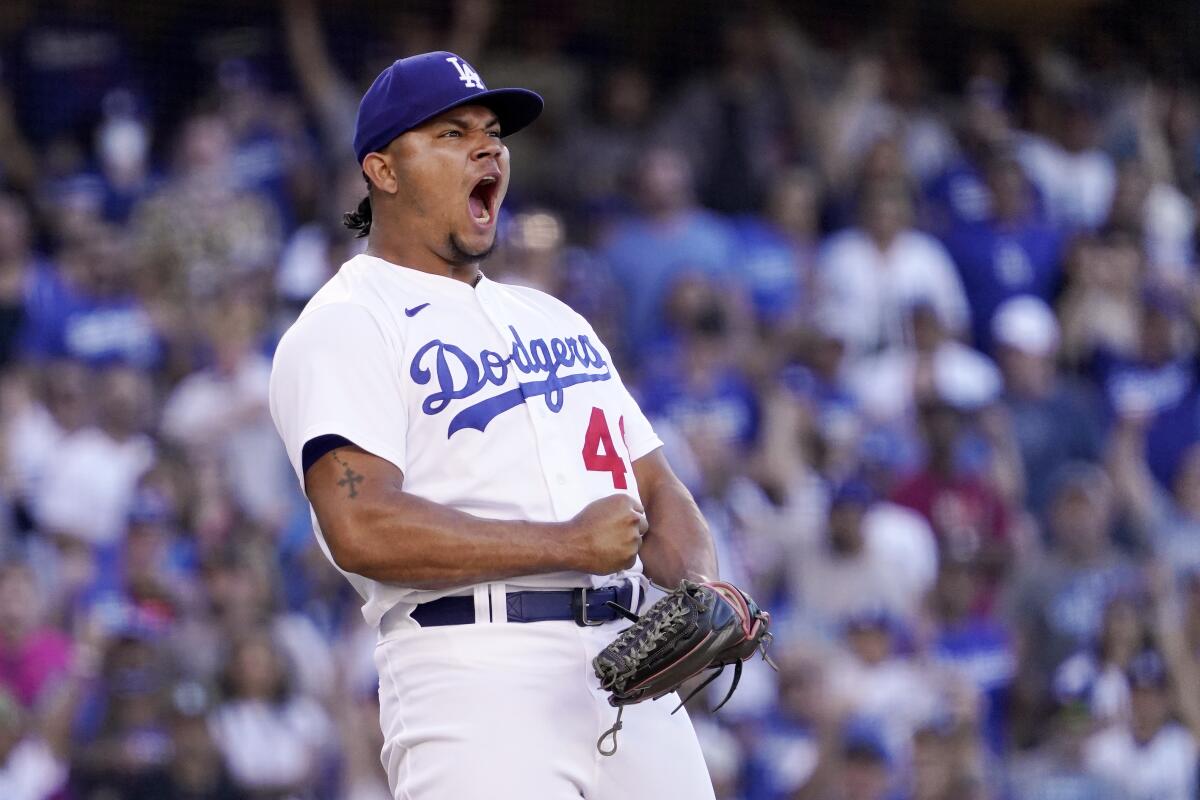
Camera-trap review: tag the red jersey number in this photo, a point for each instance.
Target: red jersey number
(599, 453)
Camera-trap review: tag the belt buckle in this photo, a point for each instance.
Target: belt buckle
(579, 609)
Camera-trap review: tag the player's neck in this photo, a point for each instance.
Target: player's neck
(405, 254)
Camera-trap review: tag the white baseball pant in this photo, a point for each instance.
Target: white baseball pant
(512, 711)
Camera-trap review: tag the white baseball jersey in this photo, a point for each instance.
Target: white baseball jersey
(496, 400)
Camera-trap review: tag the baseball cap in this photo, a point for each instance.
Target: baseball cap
(1027, 324)
(149, 507)
(862, 739)
(853, 491)
(1147, 670)
(415, 89)
(870, 618)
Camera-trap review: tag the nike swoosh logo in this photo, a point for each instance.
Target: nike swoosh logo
(412, 312)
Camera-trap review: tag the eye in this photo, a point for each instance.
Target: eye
(494, 133)
(454, 134)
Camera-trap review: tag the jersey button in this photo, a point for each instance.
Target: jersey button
(561, 479)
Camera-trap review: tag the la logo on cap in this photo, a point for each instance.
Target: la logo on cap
(467, 74)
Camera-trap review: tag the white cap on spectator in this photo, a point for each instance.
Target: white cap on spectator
(1027, 324)
(965, 378)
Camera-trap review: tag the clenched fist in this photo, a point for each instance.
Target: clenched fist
(605, 536)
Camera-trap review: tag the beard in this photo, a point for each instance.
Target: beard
(460, 256)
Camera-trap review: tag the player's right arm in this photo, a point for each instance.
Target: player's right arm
(336, 374)
(376, 529)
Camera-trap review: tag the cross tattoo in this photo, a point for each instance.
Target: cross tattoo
(350, 480)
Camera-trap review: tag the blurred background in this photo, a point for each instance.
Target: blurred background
(909, 290)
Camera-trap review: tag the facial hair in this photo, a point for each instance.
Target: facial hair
(459, 256)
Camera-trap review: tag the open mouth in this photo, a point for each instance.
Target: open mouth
(481, 201)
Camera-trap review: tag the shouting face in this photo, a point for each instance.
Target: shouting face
(449, 177)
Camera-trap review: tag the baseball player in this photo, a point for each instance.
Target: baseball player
(478, 471)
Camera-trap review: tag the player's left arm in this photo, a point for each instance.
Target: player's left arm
(678, 543)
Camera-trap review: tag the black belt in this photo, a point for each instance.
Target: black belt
(584, 606)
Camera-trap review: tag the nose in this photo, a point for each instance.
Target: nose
(489, 147)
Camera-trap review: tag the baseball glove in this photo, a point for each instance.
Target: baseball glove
(697, 626)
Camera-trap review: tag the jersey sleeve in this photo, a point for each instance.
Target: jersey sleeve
(640, 437)
(336, 374)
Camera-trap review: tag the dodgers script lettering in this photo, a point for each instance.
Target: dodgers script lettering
(458, 375)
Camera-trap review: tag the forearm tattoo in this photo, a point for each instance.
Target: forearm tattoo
(352, 478)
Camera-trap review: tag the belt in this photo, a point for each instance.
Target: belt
(584, 606)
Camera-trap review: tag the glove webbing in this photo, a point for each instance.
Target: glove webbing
(650, 640)
(636, 648)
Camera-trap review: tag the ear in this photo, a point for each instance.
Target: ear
(378, 169)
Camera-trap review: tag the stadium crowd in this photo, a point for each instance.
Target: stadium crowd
(923, 343)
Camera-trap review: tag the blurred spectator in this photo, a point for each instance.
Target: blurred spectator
(331, 98)
(38, 415)
(867, 771)
(1161, 217)
(1074, 175)
(946, 762)
(669, 237)
(123, 143)
(74, 53)
(1057, 770)
(1166, 520)
(26, 282)
(1148, 756)
(870, 274)
(968, 516)
(220, 414)
(202, 230)
(95, 316)
(32, 764)
(1154, 390)
(601, 151)
(1053, 420)
(885, 97)
(195, 769)
(1060, 599)
(1101, 307)
(1098, 675)
(155, 563)
(872, 555)
(33, 655)
(89, 488)
(316, 249)
(18, 161)
(1156, 377)
(107, 186)
(735, 123)
(274, 739)
(779, 250)
(90, 482)
(1006, 252)
(881, 684)
(960, 196)
(270, 152)
(973, 644)
(121, 737)
(694, 379)
(790, 744)
(928, 367)
(242, 587)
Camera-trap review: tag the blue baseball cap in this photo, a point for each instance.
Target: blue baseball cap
(415, 89)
